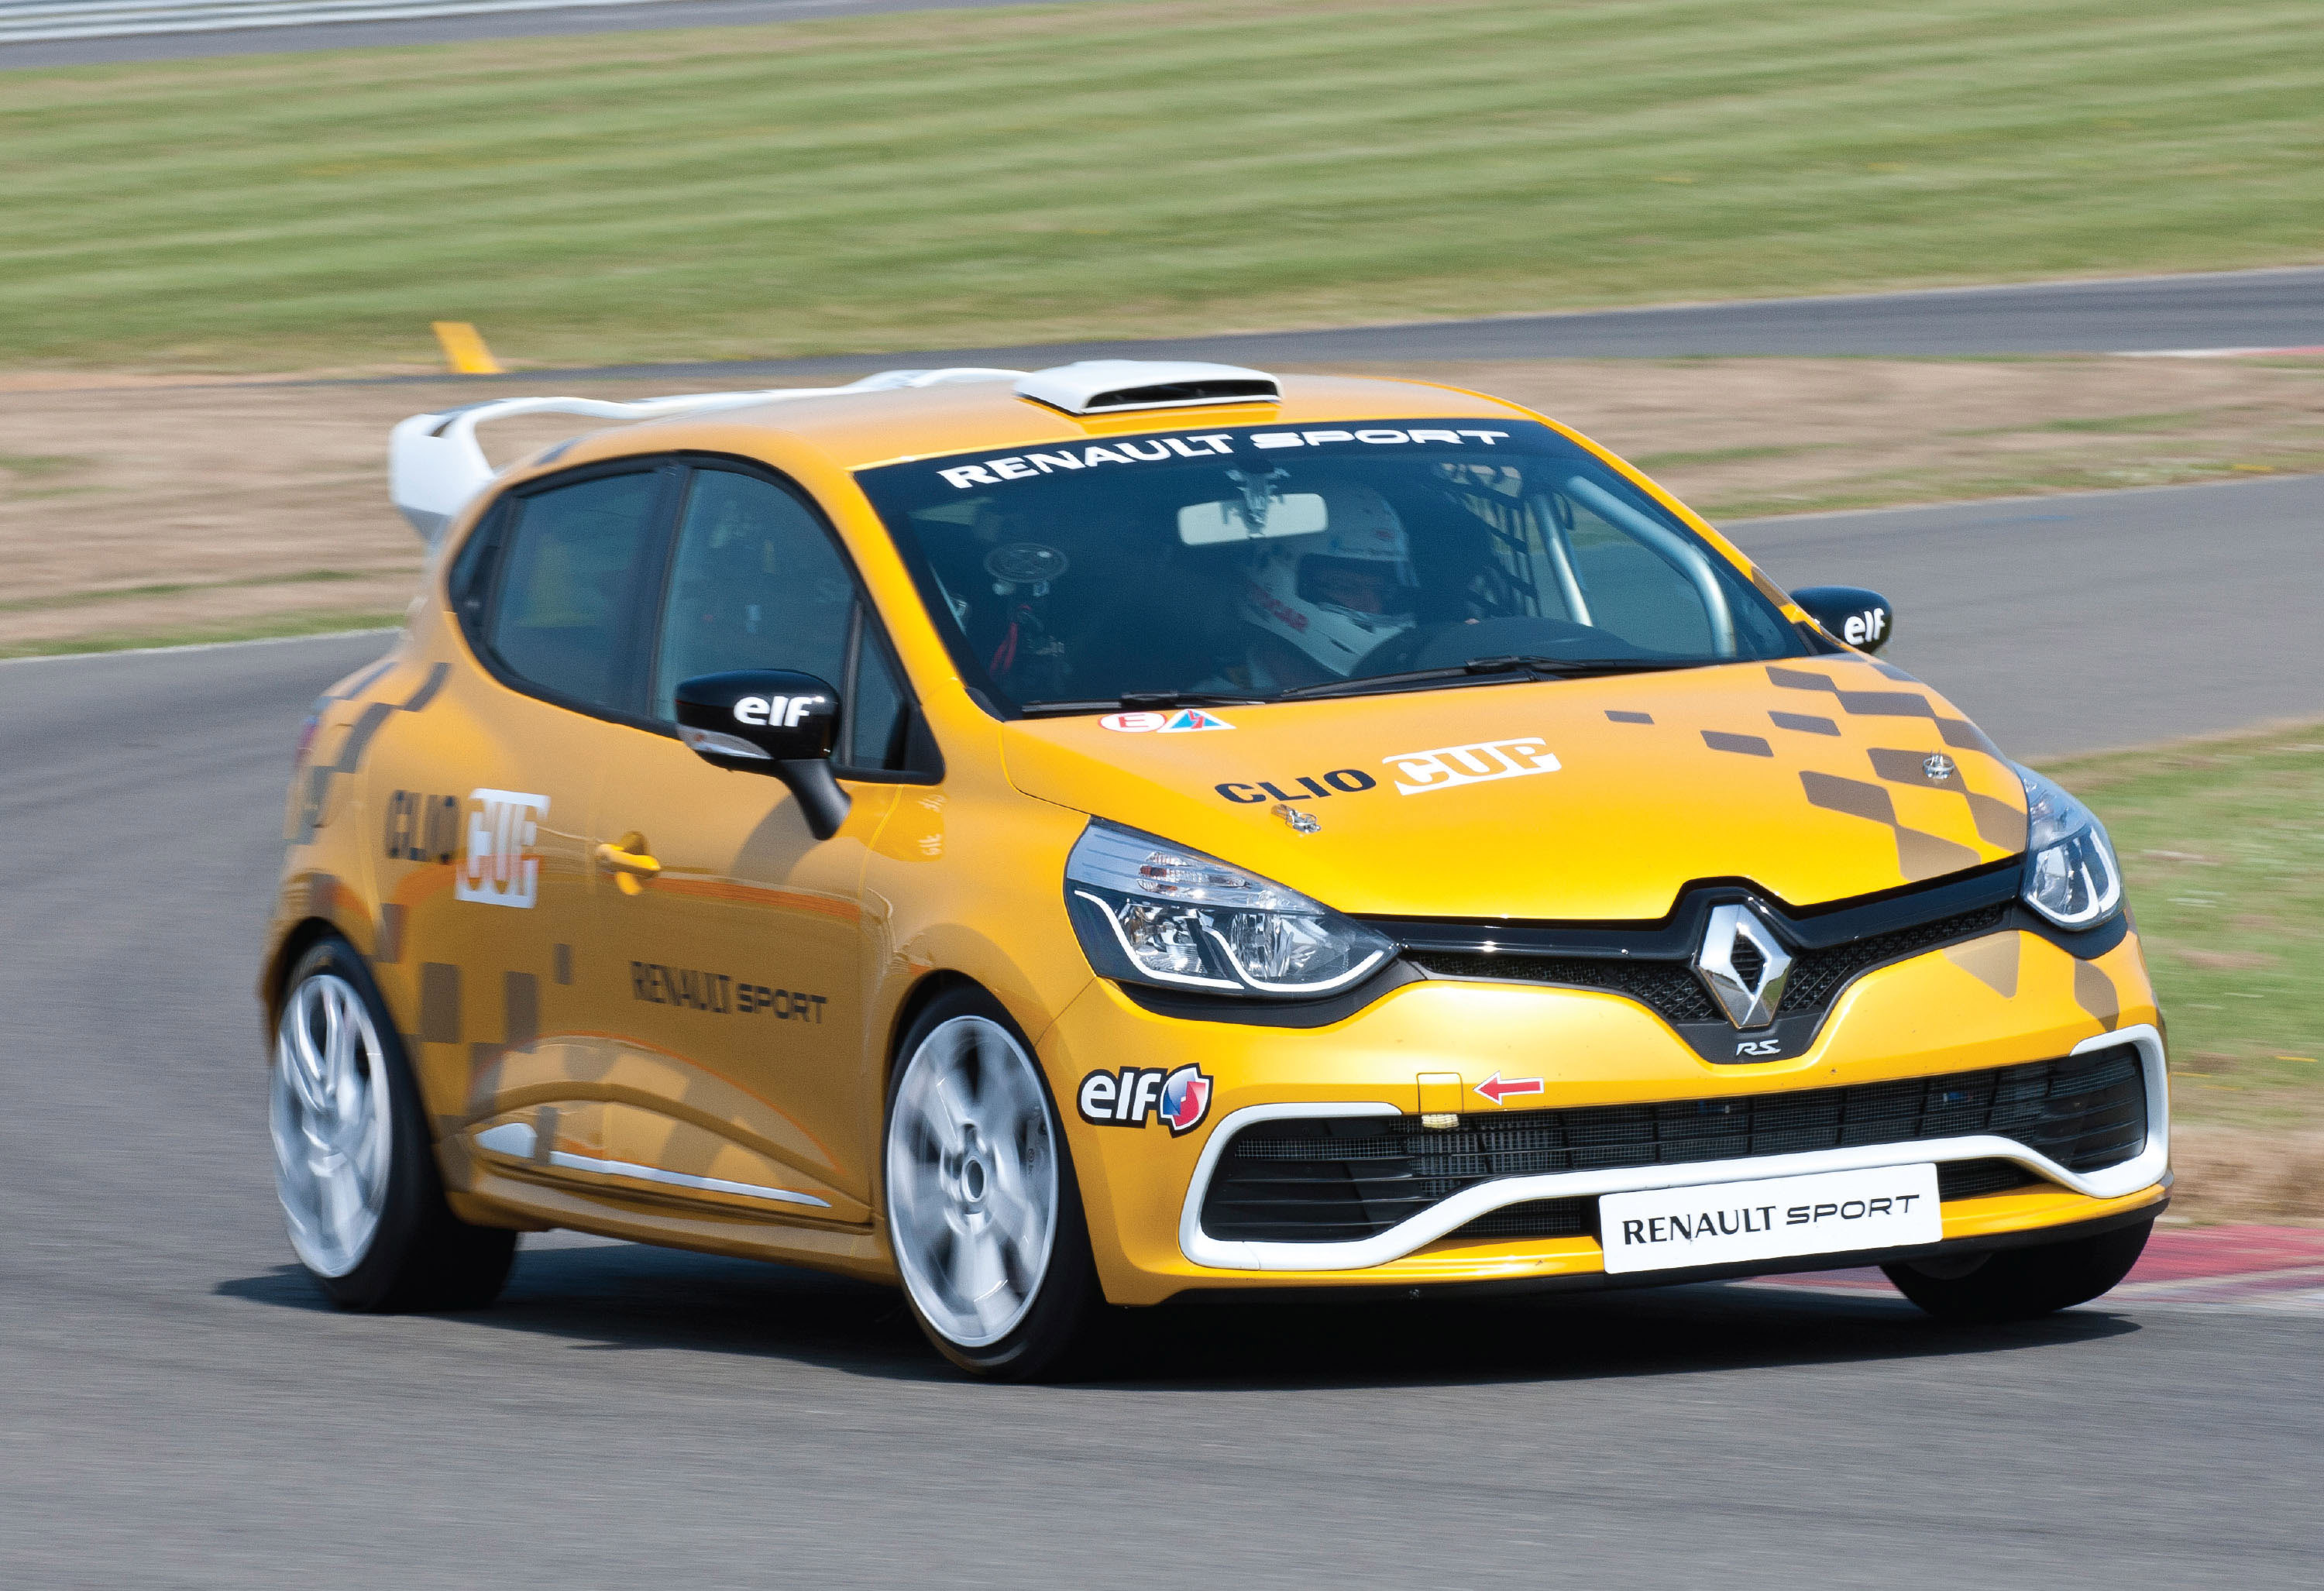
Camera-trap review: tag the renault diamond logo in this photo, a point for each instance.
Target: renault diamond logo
(1743, 966)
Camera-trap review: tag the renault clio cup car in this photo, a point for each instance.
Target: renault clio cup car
(1069, 842)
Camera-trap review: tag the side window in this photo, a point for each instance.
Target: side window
(878, 724)
(563, 607)
(471, 580)
(755, 583)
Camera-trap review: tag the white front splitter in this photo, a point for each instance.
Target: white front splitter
(2142, 1170)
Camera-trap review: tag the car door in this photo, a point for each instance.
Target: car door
(486, 830)
(737, 1001)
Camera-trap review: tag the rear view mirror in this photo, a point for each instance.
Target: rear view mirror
(1861, 617)
(770, 722)
(1206, 524)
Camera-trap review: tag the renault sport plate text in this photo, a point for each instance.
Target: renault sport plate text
(1774, 1217)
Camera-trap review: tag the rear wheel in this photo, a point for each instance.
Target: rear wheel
(982, 1209)
(352, 1164)
(2019, 1283)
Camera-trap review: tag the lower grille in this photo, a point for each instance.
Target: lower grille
(1327, 1180)
(1536, 1217)
(1970, 1179)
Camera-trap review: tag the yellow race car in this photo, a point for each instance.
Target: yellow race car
(1086, 838)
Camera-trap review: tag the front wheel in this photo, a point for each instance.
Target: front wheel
(982, 1209)
(2020, 1284)
(353, 1165)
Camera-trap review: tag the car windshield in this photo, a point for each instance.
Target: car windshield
(1247, 564)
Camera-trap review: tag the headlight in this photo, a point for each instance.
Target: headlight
(1151, 912)
(2071, 874)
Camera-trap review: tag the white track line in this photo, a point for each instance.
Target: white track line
(2210, 353)
(263, 640)
(43, 21)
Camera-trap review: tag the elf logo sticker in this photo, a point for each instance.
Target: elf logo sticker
(497, 865)
(1178, 1100)
(1185, 721)
(775, 712)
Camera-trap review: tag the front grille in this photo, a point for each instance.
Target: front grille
(1819, 975)
(1336, 1179)
(1668, 988)
(1671, 991)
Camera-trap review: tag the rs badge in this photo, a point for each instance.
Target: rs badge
(1178, 1100)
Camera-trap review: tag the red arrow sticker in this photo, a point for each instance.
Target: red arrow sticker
(1497, 1089)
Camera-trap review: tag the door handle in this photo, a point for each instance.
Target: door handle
(631, 864)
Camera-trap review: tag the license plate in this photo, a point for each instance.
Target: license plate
(1774, 1218)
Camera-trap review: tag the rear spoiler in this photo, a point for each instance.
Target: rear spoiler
(435, 466)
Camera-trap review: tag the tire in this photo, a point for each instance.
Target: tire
(2021, 1283)
(983, 1212)
(354, 1164)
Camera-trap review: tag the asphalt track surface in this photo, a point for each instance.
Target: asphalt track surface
(2094, 620)
(177, 1408)
(455, 30)
(2276, 308)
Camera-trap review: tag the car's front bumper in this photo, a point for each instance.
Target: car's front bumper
(1144, 1186)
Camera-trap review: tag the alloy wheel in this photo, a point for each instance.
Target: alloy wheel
(330, 1116)
(972, 1181)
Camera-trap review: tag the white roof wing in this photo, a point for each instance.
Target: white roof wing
(435, 463)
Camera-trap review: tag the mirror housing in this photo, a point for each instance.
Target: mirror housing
(773, 722)
(1863, 618)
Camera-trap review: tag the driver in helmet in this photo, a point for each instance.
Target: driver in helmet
(1314, 605)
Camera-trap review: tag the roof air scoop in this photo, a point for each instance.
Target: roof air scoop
(1112, 386)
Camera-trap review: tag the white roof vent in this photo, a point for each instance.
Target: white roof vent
(1110, 386)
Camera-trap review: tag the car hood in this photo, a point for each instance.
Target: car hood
(1815, 780)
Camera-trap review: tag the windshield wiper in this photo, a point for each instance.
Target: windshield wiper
(1489, 669)
(1136, 701)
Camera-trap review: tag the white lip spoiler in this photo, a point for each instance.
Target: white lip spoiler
(435, 466)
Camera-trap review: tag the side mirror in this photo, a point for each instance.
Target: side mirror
(771, 722)
(1861, 617)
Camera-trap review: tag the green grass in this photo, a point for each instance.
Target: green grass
(1711, 456)
(32, 466)
(2113, 425)
(120, 594)
(2222, 845)
(2039, 478)
(274, 626)
(1133, 169)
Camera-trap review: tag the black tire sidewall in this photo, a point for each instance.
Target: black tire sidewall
(2022, 1284)
(1053, 1338)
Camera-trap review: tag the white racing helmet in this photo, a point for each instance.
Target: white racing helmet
(1300, 586)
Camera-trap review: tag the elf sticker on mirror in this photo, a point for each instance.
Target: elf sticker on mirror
(1185, 721)
(776, 712)
(1479, 763)
(497, 866)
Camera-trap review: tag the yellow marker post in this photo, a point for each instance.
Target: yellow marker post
(465, 350)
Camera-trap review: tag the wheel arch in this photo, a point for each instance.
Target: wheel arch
(931, 987)
(297, 940)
